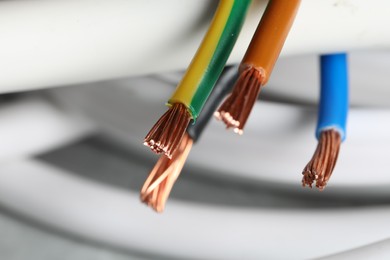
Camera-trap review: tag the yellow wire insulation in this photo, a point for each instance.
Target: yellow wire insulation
(188, 85)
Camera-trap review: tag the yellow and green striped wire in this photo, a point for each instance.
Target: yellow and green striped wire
(211, 57)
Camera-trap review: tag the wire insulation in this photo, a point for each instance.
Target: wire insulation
(211, 56)
(270, 35)
(332, 118)
(333, 108)
(258, 62)
(223, 86)
(200, 77)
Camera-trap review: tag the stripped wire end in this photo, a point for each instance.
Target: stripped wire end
(235, 110)
(166, 135)
(161, 179)
(321, 165)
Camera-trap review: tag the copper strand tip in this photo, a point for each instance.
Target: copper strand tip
(321, 165)
(161, 179)
(166, 134)
(235, 110)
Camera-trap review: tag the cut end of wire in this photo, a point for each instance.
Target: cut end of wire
(235, 110)
(320, 167)
(161, 179)
(166, 135)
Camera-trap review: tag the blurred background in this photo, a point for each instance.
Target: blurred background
(82, 81)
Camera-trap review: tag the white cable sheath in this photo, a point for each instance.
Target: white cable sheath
(47, 43)
(378, 251)
(95, 211)
(29, 126)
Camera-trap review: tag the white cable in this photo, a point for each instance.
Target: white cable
(47, 43)
(95, 211)
(29, 126)
(378, 251)
(298, 78)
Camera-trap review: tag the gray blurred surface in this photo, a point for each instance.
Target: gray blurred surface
(100, 159)
(104, 160)
(21, 240)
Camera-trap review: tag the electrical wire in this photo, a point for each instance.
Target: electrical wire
(332, 118)
(258, 62)
(200, 77)
(224, 85)
(161, 179)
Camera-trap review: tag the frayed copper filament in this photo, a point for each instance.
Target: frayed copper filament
(166, 134)
(160, 181)
(235, 110)
(321, 165)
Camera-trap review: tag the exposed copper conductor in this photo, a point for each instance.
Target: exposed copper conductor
(321, 165)
(160, 181)
(166, 134)
(235, 110)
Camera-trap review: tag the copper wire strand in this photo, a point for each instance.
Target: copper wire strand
(166, 134)
(161, 179)
(235, 110)
(320, 167)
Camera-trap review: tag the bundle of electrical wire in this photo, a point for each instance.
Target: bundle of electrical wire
(161, 179)
(332, 119)
(258, 62)
(192, 92)
(169, 136)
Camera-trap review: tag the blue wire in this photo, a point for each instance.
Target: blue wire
(333, 108)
